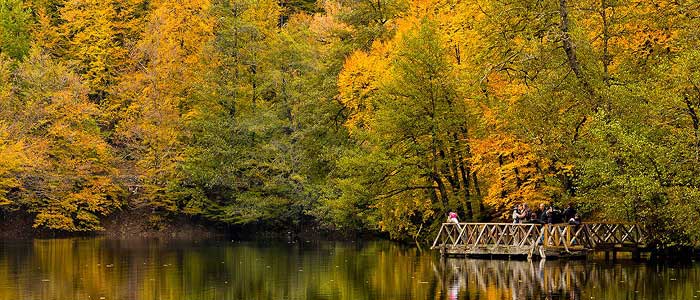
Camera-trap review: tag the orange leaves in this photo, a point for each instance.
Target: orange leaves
(627, 31)
(325, 26)
(58, 164)
(359, 82)
(12, 161)
(93, 37)
(515, 172)
(506, 89)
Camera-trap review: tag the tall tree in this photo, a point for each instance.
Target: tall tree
(408, 121)
(96, 37)
(168, 67)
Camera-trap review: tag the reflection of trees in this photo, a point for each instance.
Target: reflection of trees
(93, 268)
(493, 279)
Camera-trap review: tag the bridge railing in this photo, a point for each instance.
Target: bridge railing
(566, 236)
(589, 236)
(625, 234)
(471, 235)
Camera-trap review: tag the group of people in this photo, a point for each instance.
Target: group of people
(545, 214)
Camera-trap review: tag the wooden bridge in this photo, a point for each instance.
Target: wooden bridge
(549, 240)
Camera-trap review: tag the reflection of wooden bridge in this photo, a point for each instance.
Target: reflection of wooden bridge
(546, 279)
(550, 240)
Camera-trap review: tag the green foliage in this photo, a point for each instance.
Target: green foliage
(250, 141)
(15, 24)
(371, 20)
(405, 172)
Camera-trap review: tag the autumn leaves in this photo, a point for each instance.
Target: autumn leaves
(370, 115)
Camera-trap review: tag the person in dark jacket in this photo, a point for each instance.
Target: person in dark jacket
(575, 220)
(534, 218)
(541, 211)
(570, 212)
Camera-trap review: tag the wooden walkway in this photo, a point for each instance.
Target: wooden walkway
(550, 240)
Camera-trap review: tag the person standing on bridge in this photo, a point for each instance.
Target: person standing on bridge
(452, 218)
(541, 214)
(519, 213)
(570, 212)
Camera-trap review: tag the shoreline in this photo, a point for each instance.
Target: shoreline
(140, 224)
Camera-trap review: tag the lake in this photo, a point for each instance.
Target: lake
(98, 268)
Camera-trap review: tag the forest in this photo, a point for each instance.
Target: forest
(375, 116)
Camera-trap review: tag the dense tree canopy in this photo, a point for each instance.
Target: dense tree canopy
(355, 115)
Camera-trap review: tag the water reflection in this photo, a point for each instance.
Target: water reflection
(561, 279)
(118, 269)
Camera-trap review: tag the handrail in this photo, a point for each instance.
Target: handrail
(588, 235)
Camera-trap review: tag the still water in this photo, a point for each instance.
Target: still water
(96, 268)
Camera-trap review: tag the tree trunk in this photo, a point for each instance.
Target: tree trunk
(477, 190)
(570, 51)
(441, 188)
(464, 174)
(696, 124)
